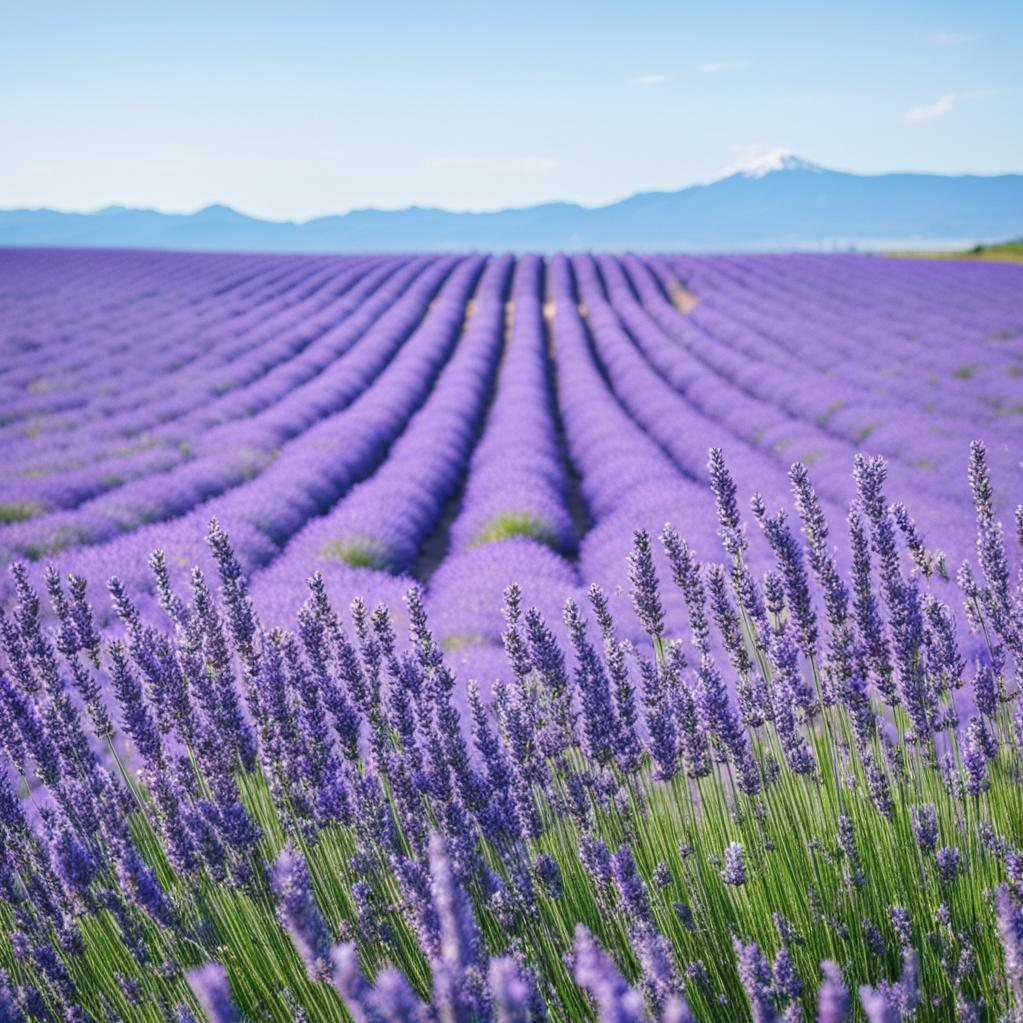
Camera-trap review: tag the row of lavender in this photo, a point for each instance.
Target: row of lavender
(472, 424)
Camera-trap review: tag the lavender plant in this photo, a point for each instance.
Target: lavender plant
(776, 815)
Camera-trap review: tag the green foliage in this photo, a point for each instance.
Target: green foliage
(461, 640)
(18, 511)
(359, 552)
(515, 523)
(1002, 252)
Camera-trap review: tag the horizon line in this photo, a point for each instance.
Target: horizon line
(216, 204)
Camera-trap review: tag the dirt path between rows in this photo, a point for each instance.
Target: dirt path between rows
(682, 298)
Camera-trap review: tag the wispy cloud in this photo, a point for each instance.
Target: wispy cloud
(937, 109)
(493, 164)
(947, 38)
(649, 80)
(716, 67)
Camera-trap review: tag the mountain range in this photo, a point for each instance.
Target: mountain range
(788, 203)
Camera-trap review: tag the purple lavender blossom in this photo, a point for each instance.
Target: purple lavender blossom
(1009, 915)
(455, 993)
(847, 841)
(789, 556)
(662, 876)
(719, 718)
(755, 974)
(685, 571)
(833, 1002)
(924, 820)
(631, 888)
(9, 1010)
(646, 597)
(300, 914)
(978, 749)
(210, 987)
(902, 925)
(985, 689)
(692, 738)
(626, 741)
(548, 873)
(595, 857)
(616, 1002)
(874, 650)
(660, 981)
(362, 1000)
(723, 487)
(73, 863)
(788, 986)
(949, 863)
(594, 689)
(878, 1007)
(516, 999)
(663, 741)
(734, 870)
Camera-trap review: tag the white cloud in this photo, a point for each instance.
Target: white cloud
(493, 164)
(715, 67)
(947, 38)
(649, 80)
(937, 109)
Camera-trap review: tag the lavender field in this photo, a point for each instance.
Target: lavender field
(459, 688)
(470, 422)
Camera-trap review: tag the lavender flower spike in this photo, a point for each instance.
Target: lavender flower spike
(631, 887)
(734, 872)
(9, 1011)
(646, 596)
(924, 820)
(1010, 932)
(356, 992)
(877, 1007)
(755, 974)
(832, 996)
(210, 987)
(300, 914)
(722, 485)
(516, 999)
(676, 1010)
(461, 947)
(594, 971)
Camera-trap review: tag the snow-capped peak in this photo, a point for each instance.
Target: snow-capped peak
(756, 161)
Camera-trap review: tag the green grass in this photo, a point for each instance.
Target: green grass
(515, 523)
(1003, 252)
(18, 511)
(966, 372)
(359, 552)
(461, 640)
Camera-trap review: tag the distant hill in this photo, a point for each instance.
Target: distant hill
(789, 204)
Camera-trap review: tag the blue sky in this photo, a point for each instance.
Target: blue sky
(297, 109)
